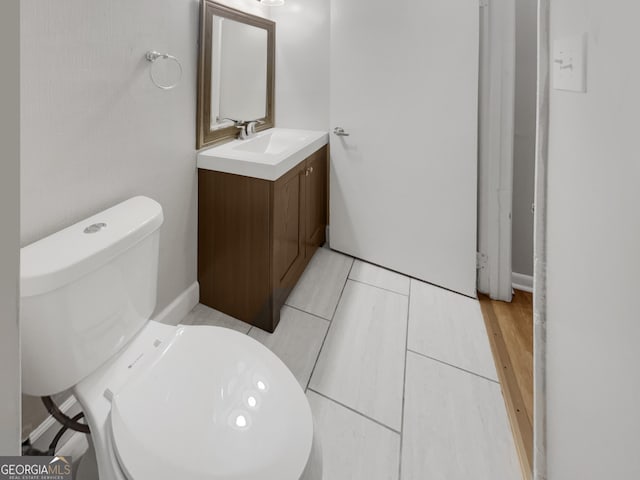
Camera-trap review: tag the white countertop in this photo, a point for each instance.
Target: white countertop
(268, 155)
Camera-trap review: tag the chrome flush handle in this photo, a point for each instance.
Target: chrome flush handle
(339, 131)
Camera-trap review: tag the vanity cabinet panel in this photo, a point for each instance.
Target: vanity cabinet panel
(316, 186)
(255, 237)
(289, 212)
(234, 247)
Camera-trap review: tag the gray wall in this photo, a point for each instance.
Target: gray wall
(96, 131)
(593, 259)
(302, 64)
(9, 233)
(525, 135)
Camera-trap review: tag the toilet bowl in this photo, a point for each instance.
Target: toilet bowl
(161, 401)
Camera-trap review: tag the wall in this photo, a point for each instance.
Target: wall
(95, 130)
(9, 233)
(524, 137)
(593, 234)
(302, 64)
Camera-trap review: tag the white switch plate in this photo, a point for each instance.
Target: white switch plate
(569, 64)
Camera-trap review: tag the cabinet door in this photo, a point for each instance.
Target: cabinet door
(316, 179)
(289, 211)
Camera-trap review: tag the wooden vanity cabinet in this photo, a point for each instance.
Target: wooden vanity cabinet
(255, 237)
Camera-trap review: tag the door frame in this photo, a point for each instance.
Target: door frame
(540, 246)
(10, 399)
(495, 146)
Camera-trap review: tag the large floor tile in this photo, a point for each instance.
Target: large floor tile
(362, 362)
(203, 315)
(353, 447)
(455, 426)
(297, 341)
(379, 277)
(319, 288)
(449, 327)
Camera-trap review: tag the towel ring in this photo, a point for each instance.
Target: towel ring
(152, 56)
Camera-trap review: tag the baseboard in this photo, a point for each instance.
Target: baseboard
(180, 307)
(43, 435)
(522, 282)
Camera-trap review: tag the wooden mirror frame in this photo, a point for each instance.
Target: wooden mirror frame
(205, 137)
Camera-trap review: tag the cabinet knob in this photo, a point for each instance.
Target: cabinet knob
(306, 172)
(310, 169)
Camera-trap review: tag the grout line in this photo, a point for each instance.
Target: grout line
(377, 286)
(454, 366)
(413, 278)
(330, 324)
(404, 382)
(304, 311)
(355, 411)
(343, 287)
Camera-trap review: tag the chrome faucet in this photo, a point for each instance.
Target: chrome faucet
(247, 129)
(242, 127)
(250, 128)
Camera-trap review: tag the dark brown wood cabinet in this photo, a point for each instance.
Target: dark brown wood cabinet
(255, 237)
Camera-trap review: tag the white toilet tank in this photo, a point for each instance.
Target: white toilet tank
(85, 292)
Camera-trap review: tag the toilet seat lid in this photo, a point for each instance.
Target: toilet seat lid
(216, 404)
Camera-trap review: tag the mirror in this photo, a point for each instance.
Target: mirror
(236, 72)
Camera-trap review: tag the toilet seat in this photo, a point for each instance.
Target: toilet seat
(212, 404)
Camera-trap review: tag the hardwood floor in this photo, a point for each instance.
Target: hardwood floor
(510, 327)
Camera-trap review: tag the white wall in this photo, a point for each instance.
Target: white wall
(302, 64)
(249, 6)
(96, 131)
(524, 138)
(593, 235)
(9, 233)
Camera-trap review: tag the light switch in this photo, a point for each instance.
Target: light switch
(569, 63)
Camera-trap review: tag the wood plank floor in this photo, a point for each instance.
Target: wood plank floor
(510, 327)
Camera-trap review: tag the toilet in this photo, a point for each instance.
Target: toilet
(162, 402)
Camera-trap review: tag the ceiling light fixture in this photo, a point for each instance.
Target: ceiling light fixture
(271, 3)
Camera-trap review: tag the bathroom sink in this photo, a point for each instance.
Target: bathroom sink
(273, 141)
(268, 155)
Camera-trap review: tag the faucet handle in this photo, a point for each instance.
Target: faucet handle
(251, 126)
(243, 134)
(236, 123)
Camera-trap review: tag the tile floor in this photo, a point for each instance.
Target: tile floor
(399, 374)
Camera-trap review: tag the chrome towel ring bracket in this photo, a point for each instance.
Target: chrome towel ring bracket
(153, 56)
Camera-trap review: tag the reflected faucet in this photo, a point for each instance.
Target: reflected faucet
(247, 128)
(251, 127)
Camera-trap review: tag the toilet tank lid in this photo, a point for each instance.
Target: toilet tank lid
(67, 255)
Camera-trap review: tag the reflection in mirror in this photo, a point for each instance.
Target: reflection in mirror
(238, 72)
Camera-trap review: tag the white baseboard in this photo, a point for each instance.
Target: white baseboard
(522, 282)
(72, 443)
(180, 307)
(43, 435)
